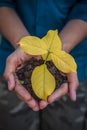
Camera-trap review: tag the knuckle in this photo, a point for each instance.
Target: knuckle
(28, 98)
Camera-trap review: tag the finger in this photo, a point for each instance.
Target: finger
(24, 95)
(27, 98)
(43, 104)
(9, 73)
(10, 66)
(73, 85)
(58, 93)
(11, 81)
(33, 107)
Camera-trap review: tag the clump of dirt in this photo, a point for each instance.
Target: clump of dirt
(24, 74)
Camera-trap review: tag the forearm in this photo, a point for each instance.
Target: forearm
(73, 33)
(11, 26)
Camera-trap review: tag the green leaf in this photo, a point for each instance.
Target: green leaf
(63, 61)
(43, 83)
(33, 45)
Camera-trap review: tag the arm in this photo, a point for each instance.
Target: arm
(73, 33)
(13, 29)
(76, 28)
(11, 26)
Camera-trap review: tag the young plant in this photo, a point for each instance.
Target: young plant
(50, 49)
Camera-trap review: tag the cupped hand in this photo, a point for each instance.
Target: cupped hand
(16, 59)
(68, 88)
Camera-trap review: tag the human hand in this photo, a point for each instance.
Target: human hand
(66, 88)
(15, 60)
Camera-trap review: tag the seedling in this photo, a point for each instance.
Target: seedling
(50, 49)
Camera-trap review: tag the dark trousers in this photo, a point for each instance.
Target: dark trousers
(61, 115)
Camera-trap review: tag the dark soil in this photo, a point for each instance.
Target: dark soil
(24, 74)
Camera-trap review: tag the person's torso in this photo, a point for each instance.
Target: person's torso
(39, 16)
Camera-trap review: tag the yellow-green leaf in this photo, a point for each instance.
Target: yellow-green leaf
(53, 42)
(33, 45)
(43, 83)
(64, 62)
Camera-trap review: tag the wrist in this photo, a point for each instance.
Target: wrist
(66, 46)
(72, 34)
(16, 40)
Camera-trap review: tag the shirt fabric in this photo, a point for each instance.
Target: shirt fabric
(39, 16)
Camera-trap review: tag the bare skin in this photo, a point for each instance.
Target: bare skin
(70, 36)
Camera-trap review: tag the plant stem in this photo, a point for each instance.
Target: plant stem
(49, 49)
(46, 57)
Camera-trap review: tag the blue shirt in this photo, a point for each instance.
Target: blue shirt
(39, 16)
